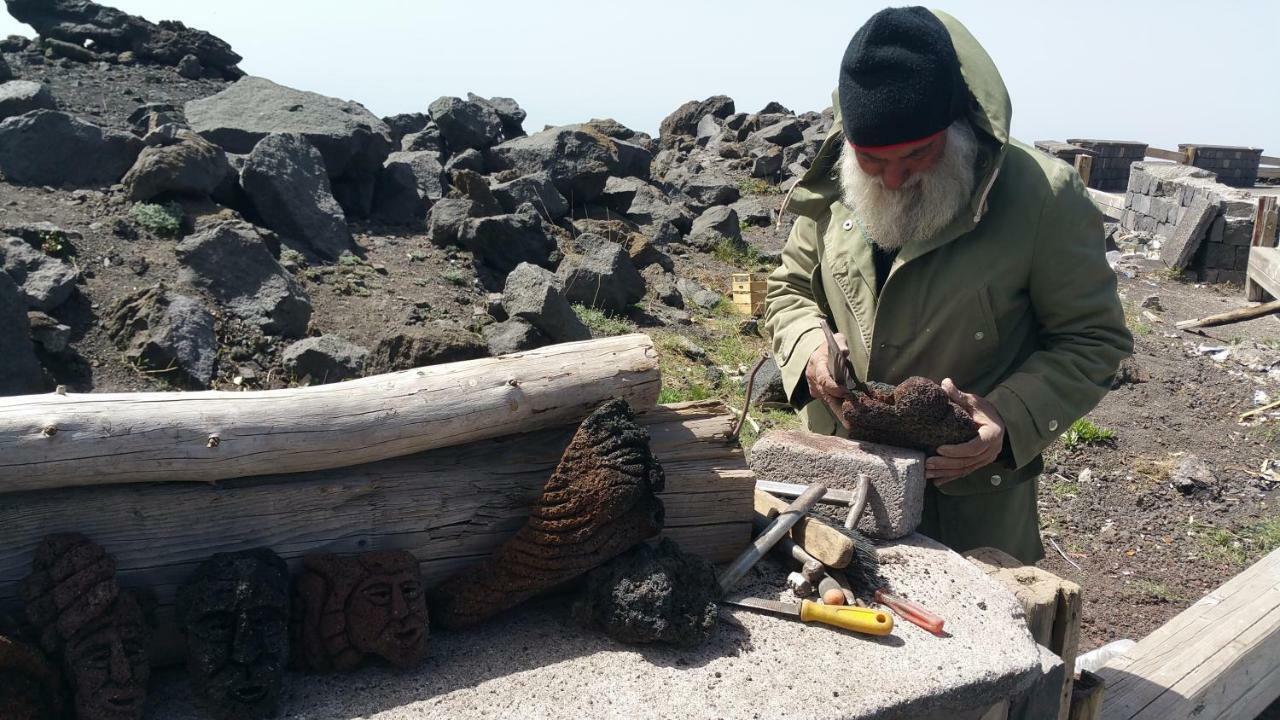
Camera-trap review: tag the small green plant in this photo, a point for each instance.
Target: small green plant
(1063, 489)
(53, 243)
(348, 260)
(163, 220)
(1084, 432)
(756, 186)
(738, 254)
(601, 323)
(688, 393)
(1242, 546)
(1156, 590)
(456, 277)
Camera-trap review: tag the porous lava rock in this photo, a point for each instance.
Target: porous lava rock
(234, 613)
(85, 622)
(347, 609)
(600, 501)
(166, 332)
(30, 687)
(649, 595)
(916, 414)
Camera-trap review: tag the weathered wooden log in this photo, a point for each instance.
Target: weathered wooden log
(451, 507)
(51, 441)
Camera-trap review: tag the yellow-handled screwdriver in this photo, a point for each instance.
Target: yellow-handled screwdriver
(849, 617)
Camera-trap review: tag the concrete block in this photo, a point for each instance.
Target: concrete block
(1242, 258)
(1235, 277)
(1220, 257)
(1186, 238)
(1216, 229)
(1237, 231)
(897, 475)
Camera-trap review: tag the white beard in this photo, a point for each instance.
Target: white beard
(921, 207)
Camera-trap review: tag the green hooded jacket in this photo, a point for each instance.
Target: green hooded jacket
(1014, 300)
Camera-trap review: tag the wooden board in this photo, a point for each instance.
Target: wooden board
(1171, 155)
(1052, 606)
(53, 440)
(450, 507)
(819, 539)
(1219, 658)
(1263, 273)
(1084, 167)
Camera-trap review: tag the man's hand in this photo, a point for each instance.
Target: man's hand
(821, 385)
(956, 461)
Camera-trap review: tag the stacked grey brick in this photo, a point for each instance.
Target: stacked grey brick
(1157, 199)
(1065, 152)
(1111, 161)
(1234, 166)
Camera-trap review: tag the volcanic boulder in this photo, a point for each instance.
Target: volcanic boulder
(604, 277)
(600, 501)
(536, 189)
(466, 124)
(718, 224)
(353, 142)
(578, 159)
(511, 336)
(536, 295)
(190, 165)
(439, 341)
(22, 96)
(683, 122)
(324, 359)
(285, 179)
(166, 332)
(46, 282)
(46, 147)
(916, 414)
(19, 369)
(232, 262)
(502, 242)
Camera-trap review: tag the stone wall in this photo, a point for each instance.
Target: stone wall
(1157, 199)
(1111, 161)
(1234, 166)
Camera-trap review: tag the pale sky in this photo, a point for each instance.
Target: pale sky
(1159, 71)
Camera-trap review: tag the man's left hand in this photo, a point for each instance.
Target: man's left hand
(956, 461)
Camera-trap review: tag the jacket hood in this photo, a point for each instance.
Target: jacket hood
(990, 117)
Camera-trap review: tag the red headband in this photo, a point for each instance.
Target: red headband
(894, 146)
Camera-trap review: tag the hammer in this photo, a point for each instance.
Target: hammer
(771, 535)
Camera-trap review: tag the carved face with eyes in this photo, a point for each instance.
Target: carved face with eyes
(107, 664)
(387, 614)
(235, 612)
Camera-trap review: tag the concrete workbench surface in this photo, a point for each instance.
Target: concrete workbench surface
(535, 663)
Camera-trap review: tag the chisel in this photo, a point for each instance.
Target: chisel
(857, 619)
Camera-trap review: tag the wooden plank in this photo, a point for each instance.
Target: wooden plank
(1234, 316)
(1264, 235)
(1052, 607)
(1086, 697)
(450, 507)
(1219, 658)
(1171, 155)
(1264, 270)
(1084, 167)
(53, 440)
(1269, 173)
(1268, 160)
(1109, 204)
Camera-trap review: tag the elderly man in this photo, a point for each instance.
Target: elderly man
(937, 246)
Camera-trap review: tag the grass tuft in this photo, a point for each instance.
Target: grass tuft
(1084, 432)
(163, 220)
(601, 323)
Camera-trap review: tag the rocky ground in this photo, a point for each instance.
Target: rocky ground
(170, 236)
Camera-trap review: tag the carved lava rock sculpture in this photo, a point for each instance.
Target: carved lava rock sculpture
(916, 414)
(348, 608)
(599, 502)
(234, 612)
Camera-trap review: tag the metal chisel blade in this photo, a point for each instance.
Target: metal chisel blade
(773, 606)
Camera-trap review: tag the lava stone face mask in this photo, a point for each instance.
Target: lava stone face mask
(349, 608)
(234, 611)
(107, 664)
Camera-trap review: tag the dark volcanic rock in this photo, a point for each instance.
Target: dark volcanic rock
(80, 21)
(30, 686)
(535, 294)
(46, 282)
(916, 414)
(439, 341)
(767, 386)
(502, 242)
(396, 198)
(426, 139)
(509, 112)
(716, 225)
(353, 142)
(475, 187)
(707, 189)
(190, 68)
(684, 121)
(470, 159)
(324, 359)
(48, 333)
(511, 336)
(190, 166)
(19, 369)
(231, 261)
(537, 190)
(285, 179)
(405, 124)
(427, 172)
(466, 124)
(447, 218)
(600, 501)
(6, 73)
(163, 331)
(576, 157)
(650, 207)
(22, 96)
(648, 595)
(784, 133)
(603, 278)
(347, 609)
(45, 147)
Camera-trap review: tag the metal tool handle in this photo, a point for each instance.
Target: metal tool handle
(863, 620)
(767, 539)
(859, 503)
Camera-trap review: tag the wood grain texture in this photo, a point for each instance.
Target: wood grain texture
(450, 507)
(51, 441)
(1218, 659)
(830, 546)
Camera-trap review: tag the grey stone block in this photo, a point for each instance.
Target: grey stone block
(1186, 239)
(1220, 257)
(897, 475)
(1237, 231)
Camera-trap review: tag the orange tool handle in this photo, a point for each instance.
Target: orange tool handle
(911, 612)
(849, 617)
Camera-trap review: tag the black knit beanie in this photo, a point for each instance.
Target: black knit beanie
(900, 79)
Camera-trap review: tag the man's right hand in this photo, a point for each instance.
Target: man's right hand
(824, 387)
